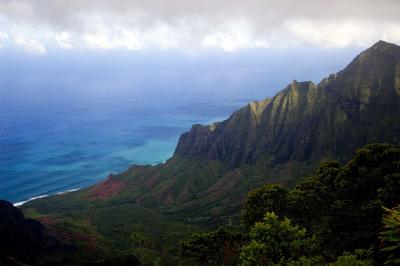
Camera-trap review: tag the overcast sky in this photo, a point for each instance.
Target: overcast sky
(40, 26)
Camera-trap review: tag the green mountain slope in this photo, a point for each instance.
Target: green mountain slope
(274, 140)
(307, 122)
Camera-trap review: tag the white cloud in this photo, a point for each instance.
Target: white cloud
(128, 39)
(163, 36)
(63, 39)
(232, 36)
(195, 25)
(3, 38)
(30, 46)
(335, 34)
(98, 40)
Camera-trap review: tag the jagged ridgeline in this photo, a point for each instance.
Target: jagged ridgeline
(277, 139)
(274, 140)
(306, 122)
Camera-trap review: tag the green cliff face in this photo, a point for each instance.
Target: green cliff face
(308, 122)
(274, 140)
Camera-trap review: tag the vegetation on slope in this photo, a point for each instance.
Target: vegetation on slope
(117, 227)
(391, 235)
(339, 207)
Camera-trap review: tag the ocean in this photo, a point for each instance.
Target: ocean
(51, 148)
(68, 120)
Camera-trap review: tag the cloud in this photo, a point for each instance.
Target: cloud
(64, 40)
(31, 46)
(229, 25)
(3, 38)
(340, 34)
(233, 35)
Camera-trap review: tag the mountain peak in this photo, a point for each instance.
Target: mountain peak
(382, 57)
(300, 84)
(383, 45)
(381, 49)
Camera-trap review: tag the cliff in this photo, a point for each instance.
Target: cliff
(309, 122)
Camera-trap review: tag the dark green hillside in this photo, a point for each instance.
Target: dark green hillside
(341, 204)
(26, 241)
(338, 210)
(118, 227)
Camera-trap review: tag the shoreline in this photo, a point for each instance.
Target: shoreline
(20, 203)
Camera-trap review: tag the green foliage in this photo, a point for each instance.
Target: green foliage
(341, 205)
(139, 240)
(360, 189)
(390, 235)
(360, 257)
(269, 198)
(279, 242)
(220, 247)
(117, 229)
(309, 202)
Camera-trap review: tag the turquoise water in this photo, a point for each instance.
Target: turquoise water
(53, 143)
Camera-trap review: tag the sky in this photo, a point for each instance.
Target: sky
(41, 27)
(182, 50)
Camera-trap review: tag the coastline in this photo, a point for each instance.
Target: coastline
(20, 203)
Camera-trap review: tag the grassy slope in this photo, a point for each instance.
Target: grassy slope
(113, 225)
(205, 195)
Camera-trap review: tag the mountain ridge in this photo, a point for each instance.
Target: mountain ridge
(300, 97)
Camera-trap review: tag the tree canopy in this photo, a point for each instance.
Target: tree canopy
(332, 217)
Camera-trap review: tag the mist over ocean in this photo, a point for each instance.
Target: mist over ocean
(67, 121)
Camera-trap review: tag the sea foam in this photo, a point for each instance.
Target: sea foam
(16, 204)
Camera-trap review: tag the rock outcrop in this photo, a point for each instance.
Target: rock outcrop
(29, 242)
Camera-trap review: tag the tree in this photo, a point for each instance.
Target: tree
(341, 205)
(367, 182)
(390, 236)
(309, 202)
(269, 198)
(220, 247)
(279, 242)
(360, 257)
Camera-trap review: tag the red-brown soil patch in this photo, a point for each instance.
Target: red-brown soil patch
(48, 220)
(106, 189)
(67, 237)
